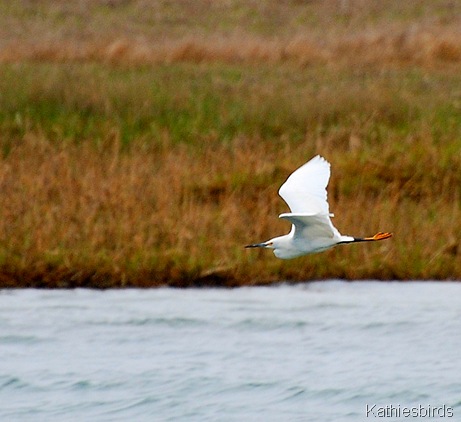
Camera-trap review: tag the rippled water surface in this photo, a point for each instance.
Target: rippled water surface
(326, 351)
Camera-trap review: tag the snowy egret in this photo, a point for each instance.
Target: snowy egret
(311, 228)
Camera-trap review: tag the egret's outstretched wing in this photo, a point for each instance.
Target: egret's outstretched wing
(305, 189)
(311, 227)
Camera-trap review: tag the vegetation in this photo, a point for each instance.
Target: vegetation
(129, 160)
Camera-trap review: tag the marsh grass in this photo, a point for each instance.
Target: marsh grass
(422, 32)
(148, 176)
(143, 143)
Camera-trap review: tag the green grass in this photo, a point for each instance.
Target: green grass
(216, 103)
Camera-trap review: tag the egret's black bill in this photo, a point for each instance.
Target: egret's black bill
(256, 245)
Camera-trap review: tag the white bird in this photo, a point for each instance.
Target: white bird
(311, 228)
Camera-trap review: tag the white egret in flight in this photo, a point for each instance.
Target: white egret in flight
(311, 227)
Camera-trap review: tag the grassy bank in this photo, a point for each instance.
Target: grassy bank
(143, 143)
(159, 175)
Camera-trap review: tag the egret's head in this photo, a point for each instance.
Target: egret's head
(282, 247)
(281, 242)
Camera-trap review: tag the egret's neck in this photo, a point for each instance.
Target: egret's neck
(282, 241)
(284, 248)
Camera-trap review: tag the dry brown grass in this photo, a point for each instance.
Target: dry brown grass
(426, 47)
(73, 215)
(423, 32)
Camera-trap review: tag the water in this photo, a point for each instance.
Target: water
(319, 352)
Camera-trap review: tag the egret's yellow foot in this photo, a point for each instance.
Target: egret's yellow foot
(380, 236)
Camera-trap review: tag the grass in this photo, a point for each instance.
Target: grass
(134, 32)
(132, 154)
(110, 177)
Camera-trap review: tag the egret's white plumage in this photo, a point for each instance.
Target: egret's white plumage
(312, 230)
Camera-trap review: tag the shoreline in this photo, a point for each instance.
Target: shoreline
(98, 281)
